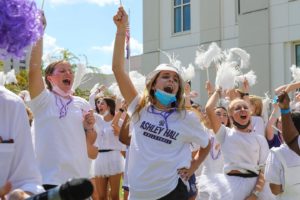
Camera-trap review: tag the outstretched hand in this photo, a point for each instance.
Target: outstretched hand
(121, 18)
(284, 100)
(43, 19)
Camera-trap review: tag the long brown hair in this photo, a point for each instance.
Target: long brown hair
(148, 97)
(49, 71)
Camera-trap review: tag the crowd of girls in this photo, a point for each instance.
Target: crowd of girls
(176, 149)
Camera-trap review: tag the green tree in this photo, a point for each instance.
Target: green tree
(22, 78)
(1, 65)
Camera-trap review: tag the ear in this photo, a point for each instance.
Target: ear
(49, 78)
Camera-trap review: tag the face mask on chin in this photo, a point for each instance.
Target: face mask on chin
(240, 126)
(105, 113)
(60, 92)
(164, 98)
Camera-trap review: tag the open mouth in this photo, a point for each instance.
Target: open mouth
(67, 82)
(243, 117)
(168, 89)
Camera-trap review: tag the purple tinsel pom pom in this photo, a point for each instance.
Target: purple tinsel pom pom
(20, 26)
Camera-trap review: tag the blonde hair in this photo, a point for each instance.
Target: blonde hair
(256, 101)
(148, 97)
(232, 103)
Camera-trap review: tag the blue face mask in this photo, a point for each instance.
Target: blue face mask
(164, 98)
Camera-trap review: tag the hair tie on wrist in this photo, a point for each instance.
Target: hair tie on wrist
(121, 110)
(285, 111)
(88, 129)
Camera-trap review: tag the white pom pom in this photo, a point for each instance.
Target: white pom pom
(138, 81)
(226, 75)
(188, 73)
(238, 54)
(295, 73)
(114, 89)
(79, 74)
(250, 77)
(200, 57)
(204, 59)
(11, 77)
(2, 78)
(94, 89)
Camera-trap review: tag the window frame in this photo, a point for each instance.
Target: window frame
(297, 44)
(181, 6)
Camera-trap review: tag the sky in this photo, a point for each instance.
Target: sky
(86, 28)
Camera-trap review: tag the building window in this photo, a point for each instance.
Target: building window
(297, 54)
(182, 15)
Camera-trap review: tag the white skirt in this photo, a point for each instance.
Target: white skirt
(109, 164)
(221, 186)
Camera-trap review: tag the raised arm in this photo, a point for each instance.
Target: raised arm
(271, 122)
(126, 87)
(209, 88)
(187, 93)
(36, 83)
(289, 131)
(292, 86)
(124, 136)
(210, 110)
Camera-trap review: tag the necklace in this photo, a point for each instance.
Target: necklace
(63, 107)
(162, 113)
(212, 154)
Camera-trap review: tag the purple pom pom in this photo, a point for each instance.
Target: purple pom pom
(20, 27)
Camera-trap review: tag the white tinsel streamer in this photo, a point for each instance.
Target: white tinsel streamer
(226, 75)
(79, 74)
(295, 73)
(250, 77)
(238, 55)
(11, 77)
(2, 78)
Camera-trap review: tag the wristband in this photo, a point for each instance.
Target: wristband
(285, 111)
(121, 110)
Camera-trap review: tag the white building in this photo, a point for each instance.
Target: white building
(269, 30)
(17, 64)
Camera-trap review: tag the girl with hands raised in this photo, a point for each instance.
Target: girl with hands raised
(162, 129)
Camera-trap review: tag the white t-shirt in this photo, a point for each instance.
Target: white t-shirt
(156, 153)
(106, 139)
(17, 161)
(274, 172)
(60, 143)
(258, 125)
(213, 163)
(241, 150)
